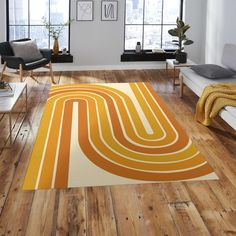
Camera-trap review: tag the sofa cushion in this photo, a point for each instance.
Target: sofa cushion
(212, 71)
(201, 82)
(27, 50)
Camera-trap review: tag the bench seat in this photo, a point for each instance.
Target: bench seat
(197, 84)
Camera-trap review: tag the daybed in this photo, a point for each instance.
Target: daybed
(197, 83)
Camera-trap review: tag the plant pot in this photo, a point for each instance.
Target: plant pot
(56, 47)
(181, 57)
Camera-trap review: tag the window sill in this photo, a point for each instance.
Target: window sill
(146, 56)
(62, 58)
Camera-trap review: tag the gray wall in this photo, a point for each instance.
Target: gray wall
(99, 44)
(2, 20)
(195, 16)
(220, 28)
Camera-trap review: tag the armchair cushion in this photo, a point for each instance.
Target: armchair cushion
(35, 64)
(27, 50)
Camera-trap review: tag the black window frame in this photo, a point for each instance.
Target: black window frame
(28, 25)
(147, 50)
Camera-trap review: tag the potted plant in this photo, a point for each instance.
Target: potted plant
(180, 33)
(55, 32)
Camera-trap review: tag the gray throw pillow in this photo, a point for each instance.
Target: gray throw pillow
(212, 71)
(27, 50)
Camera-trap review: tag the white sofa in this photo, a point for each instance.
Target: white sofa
(197, 83)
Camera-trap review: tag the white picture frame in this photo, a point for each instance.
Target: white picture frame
(109, 10)
(84, 10)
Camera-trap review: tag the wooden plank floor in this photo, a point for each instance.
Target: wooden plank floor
(193, 208)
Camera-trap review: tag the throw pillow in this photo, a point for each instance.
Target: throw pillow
(212, 71)
(27, 50)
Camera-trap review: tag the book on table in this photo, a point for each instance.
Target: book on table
(6, 90)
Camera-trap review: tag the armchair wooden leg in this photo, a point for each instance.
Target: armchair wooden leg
(21, 73)
(51, 72)
(32, 76)
(3, 69)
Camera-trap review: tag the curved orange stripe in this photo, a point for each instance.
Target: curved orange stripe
(181, 142)
(157, 150)
(125, 172)
(172, 157)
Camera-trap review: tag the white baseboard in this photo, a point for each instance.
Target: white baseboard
(131, 66)
(74, 67)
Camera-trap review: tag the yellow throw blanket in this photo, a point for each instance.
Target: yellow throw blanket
(213, 99)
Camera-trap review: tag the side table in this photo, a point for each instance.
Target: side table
(170, 65)
(7, 105)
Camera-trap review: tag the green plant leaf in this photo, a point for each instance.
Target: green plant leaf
(188, 42)
(185, 28)
(173, 32)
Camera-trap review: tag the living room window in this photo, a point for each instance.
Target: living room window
(25, 20)
(148, 22)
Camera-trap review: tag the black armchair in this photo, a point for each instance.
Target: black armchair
(17, 63)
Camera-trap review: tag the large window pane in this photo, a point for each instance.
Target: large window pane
(133, 34)
(20, 26)
(59, 11)
(152, 37)
(171, 11)
(40, 34)
(18, 12)
(18, 32)
(134, 11)
(167, 39)
(38, 10)
(153, 11)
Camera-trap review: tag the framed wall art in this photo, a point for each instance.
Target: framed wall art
(84, 11)
(109, 10)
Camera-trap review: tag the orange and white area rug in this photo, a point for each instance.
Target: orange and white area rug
(108, 134)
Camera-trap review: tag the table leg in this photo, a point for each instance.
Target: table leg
(181, 86)
(26, 99)
(167, 70)
(10, 128)
(174, 79)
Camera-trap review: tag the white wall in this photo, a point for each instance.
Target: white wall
(195, 16)
(2, 20)
(221, 18)
(99, 44)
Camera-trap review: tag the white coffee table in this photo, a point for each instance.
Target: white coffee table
(170, 65)
(7, 105)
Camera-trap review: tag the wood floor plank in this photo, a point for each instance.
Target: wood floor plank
(227, 221)
(71, 218)
(187, 219)
(100, 213)
(128, 213)
(203, 196)
(175, 192)
(40, 220)
(155, 210)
